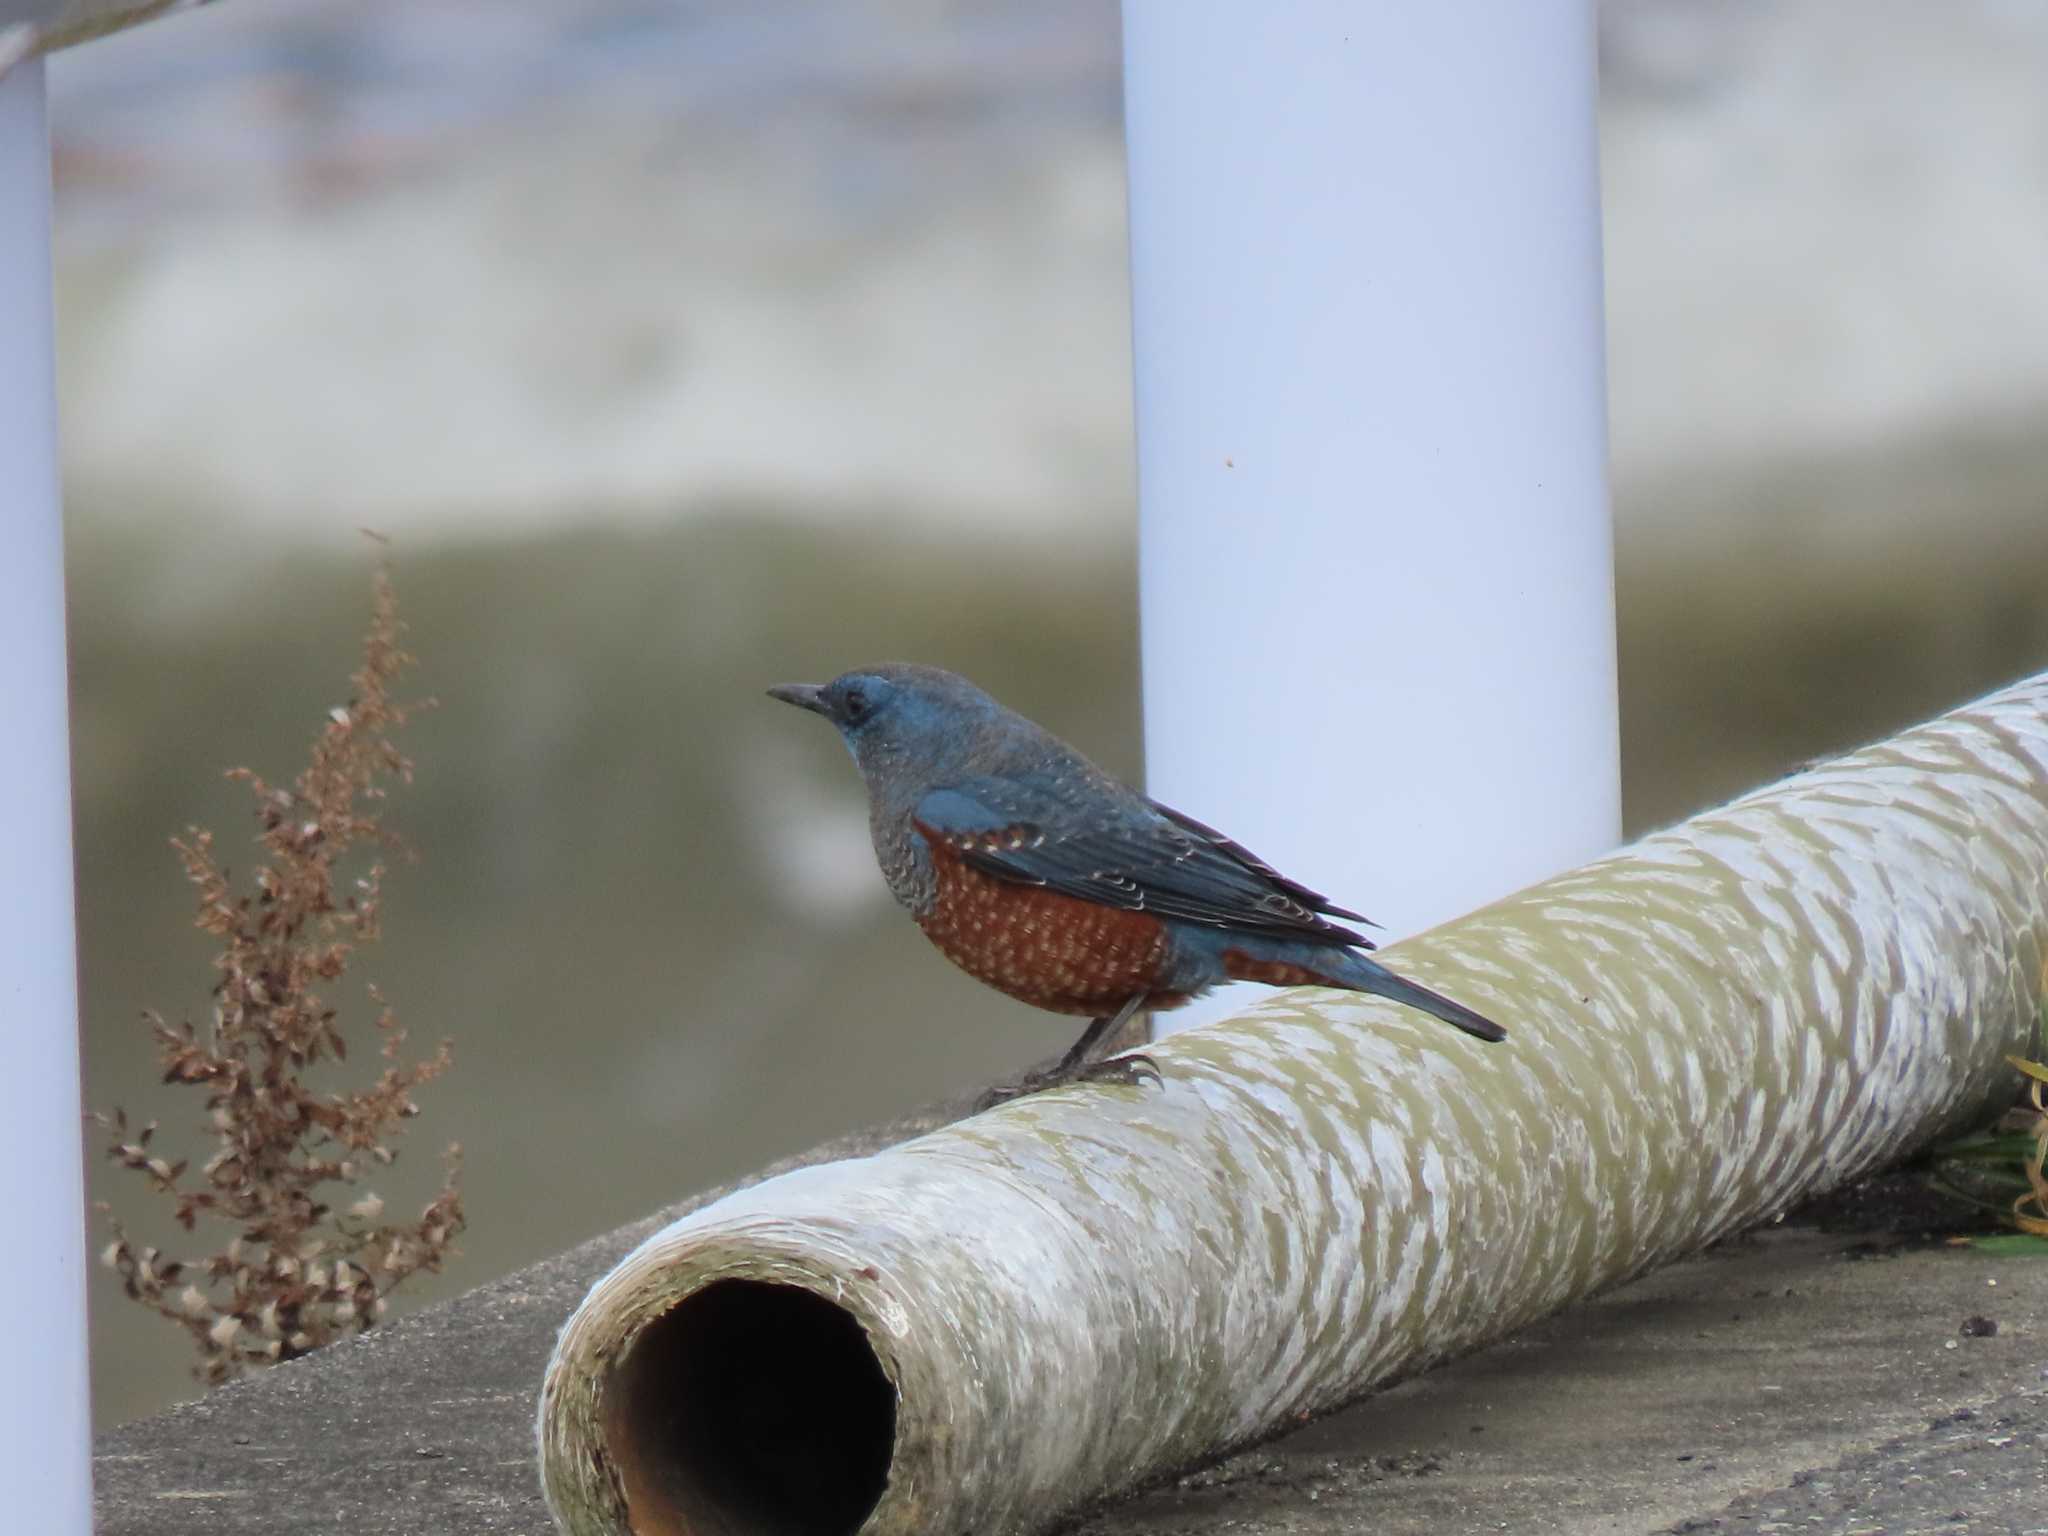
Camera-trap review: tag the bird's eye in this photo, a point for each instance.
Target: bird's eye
(855, 703)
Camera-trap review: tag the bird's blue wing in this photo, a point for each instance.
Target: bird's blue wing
(1121, 850)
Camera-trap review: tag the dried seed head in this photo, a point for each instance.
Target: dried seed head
(292, 924)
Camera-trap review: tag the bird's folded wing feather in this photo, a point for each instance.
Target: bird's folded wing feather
(1134, 854)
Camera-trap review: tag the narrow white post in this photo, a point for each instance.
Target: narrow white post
(1375, 550)
(45, 1425)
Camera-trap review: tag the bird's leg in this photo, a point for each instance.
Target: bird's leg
(1079, 1065)
(1083, 1050)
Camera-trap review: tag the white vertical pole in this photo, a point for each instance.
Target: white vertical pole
(1375, 550)
(45, 1425)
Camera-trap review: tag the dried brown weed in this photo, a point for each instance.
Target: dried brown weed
(307, 1255)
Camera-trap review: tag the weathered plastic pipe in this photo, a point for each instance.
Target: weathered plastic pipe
(1375, 552)
(1076, 1292)
(45, 1423)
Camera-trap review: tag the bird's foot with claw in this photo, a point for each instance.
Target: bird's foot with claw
(1131, 1071)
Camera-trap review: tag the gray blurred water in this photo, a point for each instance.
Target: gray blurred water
(453, 266)
(301, 96)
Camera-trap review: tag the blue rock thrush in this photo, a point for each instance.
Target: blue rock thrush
(1036, 872)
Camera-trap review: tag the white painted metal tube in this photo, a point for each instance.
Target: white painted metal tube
(45, 1424)
(1078, 1291)
(1375, 552)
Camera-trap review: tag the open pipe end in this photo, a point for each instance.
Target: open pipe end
(750, 1407)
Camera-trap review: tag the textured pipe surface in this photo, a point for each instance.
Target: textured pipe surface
(1091, 1287)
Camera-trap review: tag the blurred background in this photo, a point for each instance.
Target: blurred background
(687, 347)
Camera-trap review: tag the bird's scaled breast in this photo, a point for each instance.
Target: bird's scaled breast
(1052, 951)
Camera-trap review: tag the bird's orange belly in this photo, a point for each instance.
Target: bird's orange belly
(1052, 951)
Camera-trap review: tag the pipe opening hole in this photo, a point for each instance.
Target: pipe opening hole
(751, 1408)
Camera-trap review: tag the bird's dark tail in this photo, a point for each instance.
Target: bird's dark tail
(1369, 976)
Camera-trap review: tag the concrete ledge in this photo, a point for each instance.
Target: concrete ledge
(425, 1425)
(1791, 1375)
(1746, 1374)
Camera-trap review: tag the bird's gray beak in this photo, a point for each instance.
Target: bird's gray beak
(803, 695)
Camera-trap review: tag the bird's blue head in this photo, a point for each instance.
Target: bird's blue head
(897, 717)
